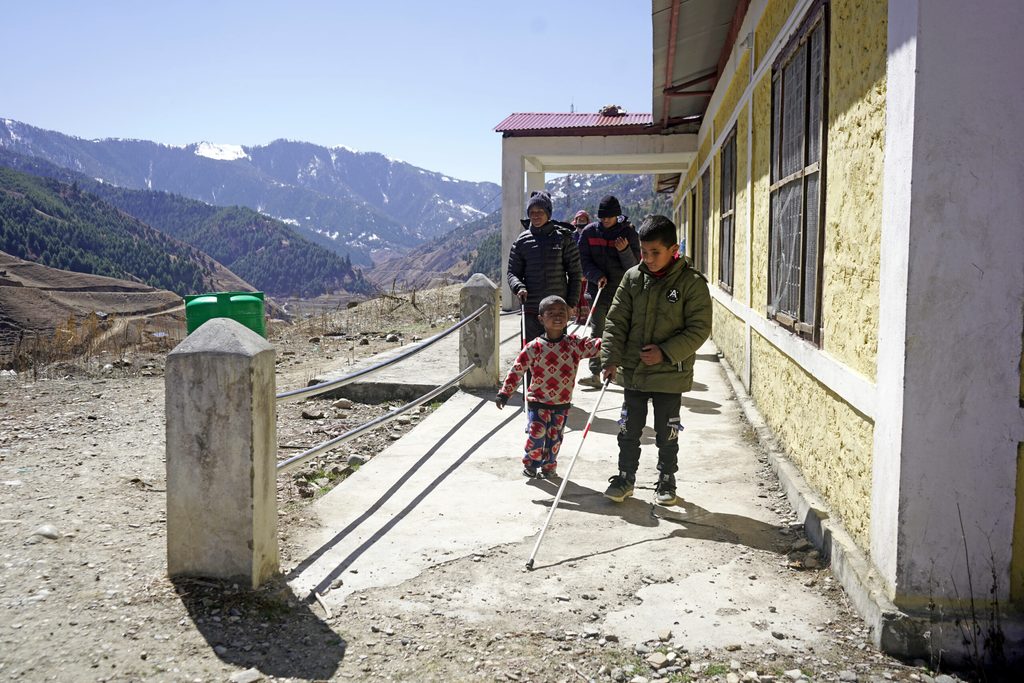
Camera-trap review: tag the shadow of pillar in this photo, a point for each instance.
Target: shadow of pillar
(268, 629)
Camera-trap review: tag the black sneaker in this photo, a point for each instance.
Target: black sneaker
(619, 488)
(530, 473)
(666, 489)
(547, 474)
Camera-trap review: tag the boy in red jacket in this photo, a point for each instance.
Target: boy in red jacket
(552, 360)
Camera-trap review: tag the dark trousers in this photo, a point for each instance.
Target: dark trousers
(666, 429)
(534, 327)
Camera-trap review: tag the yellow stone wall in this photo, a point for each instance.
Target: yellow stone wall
(853, 201)
(774, 18)
(829, 440)
(742, 229)
(825, 437)
(730, 336)
(760, 177)
(716, 163)
(732, 95)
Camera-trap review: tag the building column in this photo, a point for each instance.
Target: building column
(534, 183)
(949, 422)
(512, 192)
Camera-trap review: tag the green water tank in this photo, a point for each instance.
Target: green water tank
(243, 307)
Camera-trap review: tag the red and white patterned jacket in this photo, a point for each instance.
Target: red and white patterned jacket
(552, 367)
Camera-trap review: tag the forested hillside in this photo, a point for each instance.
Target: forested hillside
(265, 252)
(60, 226)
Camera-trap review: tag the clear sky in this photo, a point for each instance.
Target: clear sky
(422, 81)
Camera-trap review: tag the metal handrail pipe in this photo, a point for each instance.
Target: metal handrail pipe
(307, 392)
(297, 460)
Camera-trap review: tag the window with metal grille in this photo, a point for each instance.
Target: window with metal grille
(682, 227)
(727, 213)
(799, 86)
(705, 222)
(693, 225)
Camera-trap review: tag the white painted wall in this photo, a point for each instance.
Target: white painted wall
(953, 240)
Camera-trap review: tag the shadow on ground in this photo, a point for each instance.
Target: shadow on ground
(696, 522)
(691, 521)
(268, 629)
(699, 405)
(325, 583)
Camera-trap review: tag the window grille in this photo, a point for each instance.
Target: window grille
(799, 86)
(705, 225)
(727, 220)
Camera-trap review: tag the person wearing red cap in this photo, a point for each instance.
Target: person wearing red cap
(580, 221)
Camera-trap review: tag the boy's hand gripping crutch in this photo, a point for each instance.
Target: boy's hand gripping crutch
(590, 314)
(565, 479)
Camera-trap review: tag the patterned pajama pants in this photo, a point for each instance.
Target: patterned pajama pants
(544, 437)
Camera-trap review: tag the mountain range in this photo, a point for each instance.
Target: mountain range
(360, 204)
(404, 225)
(268, 254)
(475, 247)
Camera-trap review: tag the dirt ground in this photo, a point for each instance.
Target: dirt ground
(84, 596)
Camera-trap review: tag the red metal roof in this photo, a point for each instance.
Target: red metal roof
(536, 122)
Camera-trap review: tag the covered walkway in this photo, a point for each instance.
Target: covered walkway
(447, 506)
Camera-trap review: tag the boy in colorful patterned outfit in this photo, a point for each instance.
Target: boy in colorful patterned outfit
(660, 316)
(552, 360)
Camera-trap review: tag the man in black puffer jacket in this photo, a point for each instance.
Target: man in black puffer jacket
(608, 248)
(544, 261)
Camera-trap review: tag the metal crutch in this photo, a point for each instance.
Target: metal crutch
(565, 479)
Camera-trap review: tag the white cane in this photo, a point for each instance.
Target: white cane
(590, 314)
(522, 344)
(565, 479)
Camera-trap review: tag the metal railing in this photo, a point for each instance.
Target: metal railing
(296, 460)
(316, 389)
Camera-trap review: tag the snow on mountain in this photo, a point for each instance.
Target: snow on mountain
(220, 152)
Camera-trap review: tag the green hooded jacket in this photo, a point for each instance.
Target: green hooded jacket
(673, 312)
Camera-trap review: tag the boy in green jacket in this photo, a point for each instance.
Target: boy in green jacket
(660, 316)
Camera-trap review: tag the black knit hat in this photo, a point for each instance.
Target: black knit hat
(541, 200)
(609, 207)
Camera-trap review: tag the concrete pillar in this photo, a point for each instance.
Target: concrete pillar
(479, 341)
(534, 183)
(512, 210)
(948, 424)
(221, 455)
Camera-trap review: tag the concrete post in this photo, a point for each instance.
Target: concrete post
(479, 340)
(221, 455)
(512, 209)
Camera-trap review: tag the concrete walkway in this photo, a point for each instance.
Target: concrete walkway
(712, 569)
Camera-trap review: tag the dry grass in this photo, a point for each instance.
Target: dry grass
(90, 345)
(93, 346)
(410, 313)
